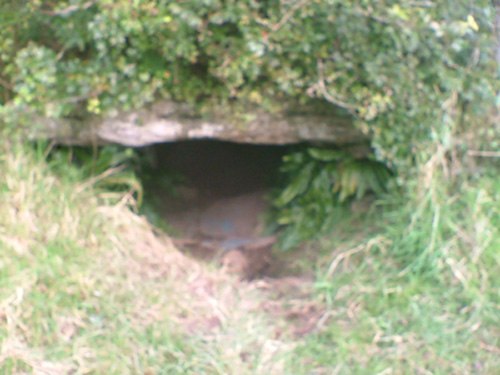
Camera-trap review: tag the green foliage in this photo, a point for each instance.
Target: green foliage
(413, 74)
(108, 168)
(405, 70)
(416, 282)
(318, 184)
(446, 222)
(416, 75)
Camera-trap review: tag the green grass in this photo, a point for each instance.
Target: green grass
(421, 298)
(403, 326)
(87, 286)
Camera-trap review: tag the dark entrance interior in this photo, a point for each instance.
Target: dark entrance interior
(213, 195)
(219, 169)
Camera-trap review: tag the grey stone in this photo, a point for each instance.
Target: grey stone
(168, 121)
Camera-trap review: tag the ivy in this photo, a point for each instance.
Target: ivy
(393, 65)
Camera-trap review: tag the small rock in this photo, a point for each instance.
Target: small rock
(250, 260)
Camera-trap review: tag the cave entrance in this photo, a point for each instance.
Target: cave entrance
(214, 195)
(221, 169)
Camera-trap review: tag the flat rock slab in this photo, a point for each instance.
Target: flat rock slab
(168, 121)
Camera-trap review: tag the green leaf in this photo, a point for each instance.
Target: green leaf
(297, 186)
(326, 155)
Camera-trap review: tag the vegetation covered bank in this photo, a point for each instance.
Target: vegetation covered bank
(417, 292)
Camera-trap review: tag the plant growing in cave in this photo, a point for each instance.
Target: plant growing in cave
(109, 168)
(319, 185)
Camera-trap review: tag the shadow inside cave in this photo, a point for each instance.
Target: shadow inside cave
(214, 195)
(221, 169)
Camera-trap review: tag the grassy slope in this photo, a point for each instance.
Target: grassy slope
(402, 308)
(86, 286)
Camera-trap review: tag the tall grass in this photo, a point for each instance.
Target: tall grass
(88, 286)
(420, 294)
(452, 221)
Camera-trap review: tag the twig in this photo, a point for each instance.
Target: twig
(102, 176)
(185, 241)
(6, 84)
(379, 19)
(71, 9)
(289, 14)
(486, 154)
(329, 97)
(489, 348)
(422, 4)
(347, 254)
(342, 256)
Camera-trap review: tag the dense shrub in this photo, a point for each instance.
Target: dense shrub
(404, 69)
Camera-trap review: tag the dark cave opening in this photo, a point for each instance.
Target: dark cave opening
(214, 197)
(213, 189)
(219, 169)
(215, 200)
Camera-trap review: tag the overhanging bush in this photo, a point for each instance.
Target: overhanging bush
(406, 70)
